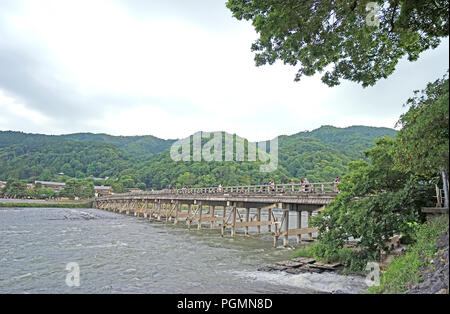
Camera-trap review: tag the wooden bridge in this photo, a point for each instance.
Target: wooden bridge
(233, 207)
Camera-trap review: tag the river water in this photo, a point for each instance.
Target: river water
(125, 254)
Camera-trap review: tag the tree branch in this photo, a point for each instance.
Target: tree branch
(393, 16)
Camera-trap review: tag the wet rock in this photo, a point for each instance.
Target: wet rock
(302, 265)
(290, 264)
(304, 260)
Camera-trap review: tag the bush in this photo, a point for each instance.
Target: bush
(404, 271)
(353, 261)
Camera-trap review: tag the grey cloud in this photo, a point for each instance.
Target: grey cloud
(211, 14)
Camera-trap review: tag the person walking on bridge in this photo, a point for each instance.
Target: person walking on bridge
(336, 182)
(306, 182)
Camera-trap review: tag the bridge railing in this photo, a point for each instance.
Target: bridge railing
(288, 189)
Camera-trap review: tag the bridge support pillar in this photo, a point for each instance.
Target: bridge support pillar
(299, 224)
(212, 215)
(224, 221)
(158, 214)
(200, 214)
(309, 224)
(127, 207)
(247, 219)
(233, 226)
(169, 213)
(269, 227)
(177, 210)
(286, 211)
(188, 219)
(258, 218)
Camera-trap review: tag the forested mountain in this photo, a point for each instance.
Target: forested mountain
(30, 156)
(351, 141)
(144, 161)
(324, 153)
(141, 146)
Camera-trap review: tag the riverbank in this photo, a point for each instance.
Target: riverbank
(44, 204)
(424, 268)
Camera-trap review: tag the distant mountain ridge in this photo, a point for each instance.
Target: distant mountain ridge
(140, 145)
(319, 155)
(348, 140)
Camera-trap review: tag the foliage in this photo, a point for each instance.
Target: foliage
(404, 271)
(319, 155)
(325, 153)
(41, 157)
(141, 146)
(382, 196)
(423, 141)
(78, 189)
(352, 141)
(376, 201)
(318, 35)
(16, 188)
(353, 261)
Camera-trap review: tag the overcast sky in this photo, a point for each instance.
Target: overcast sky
(169, 69)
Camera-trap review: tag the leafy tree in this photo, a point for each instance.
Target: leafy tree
(67, 170)
(186, 179)
(127, 181)
(424, 137)
(46, 175)
(78, 188)
(377, 200)
(317, 35)
(118, 187)
(79, 174)
(42, 193)
(16, 188)
(141, 186)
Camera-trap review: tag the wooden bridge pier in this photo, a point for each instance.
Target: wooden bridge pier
(232, 208)
(232, 217)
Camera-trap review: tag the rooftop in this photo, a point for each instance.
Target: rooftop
(102, 187)
(50, 183)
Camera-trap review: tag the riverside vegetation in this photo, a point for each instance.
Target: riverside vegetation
(383, 196)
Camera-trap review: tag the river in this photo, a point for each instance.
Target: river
(125, 254)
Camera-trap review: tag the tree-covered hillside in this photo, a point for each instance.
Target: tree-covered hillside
(351, 141)
(141, 146)
(324, 153)
(30, 157)
(144, 161)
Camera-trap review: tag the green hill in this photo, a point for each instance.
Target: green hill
(31, 156)
(141, 146)
(351, 141)
(324, 153)
(319, 155)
